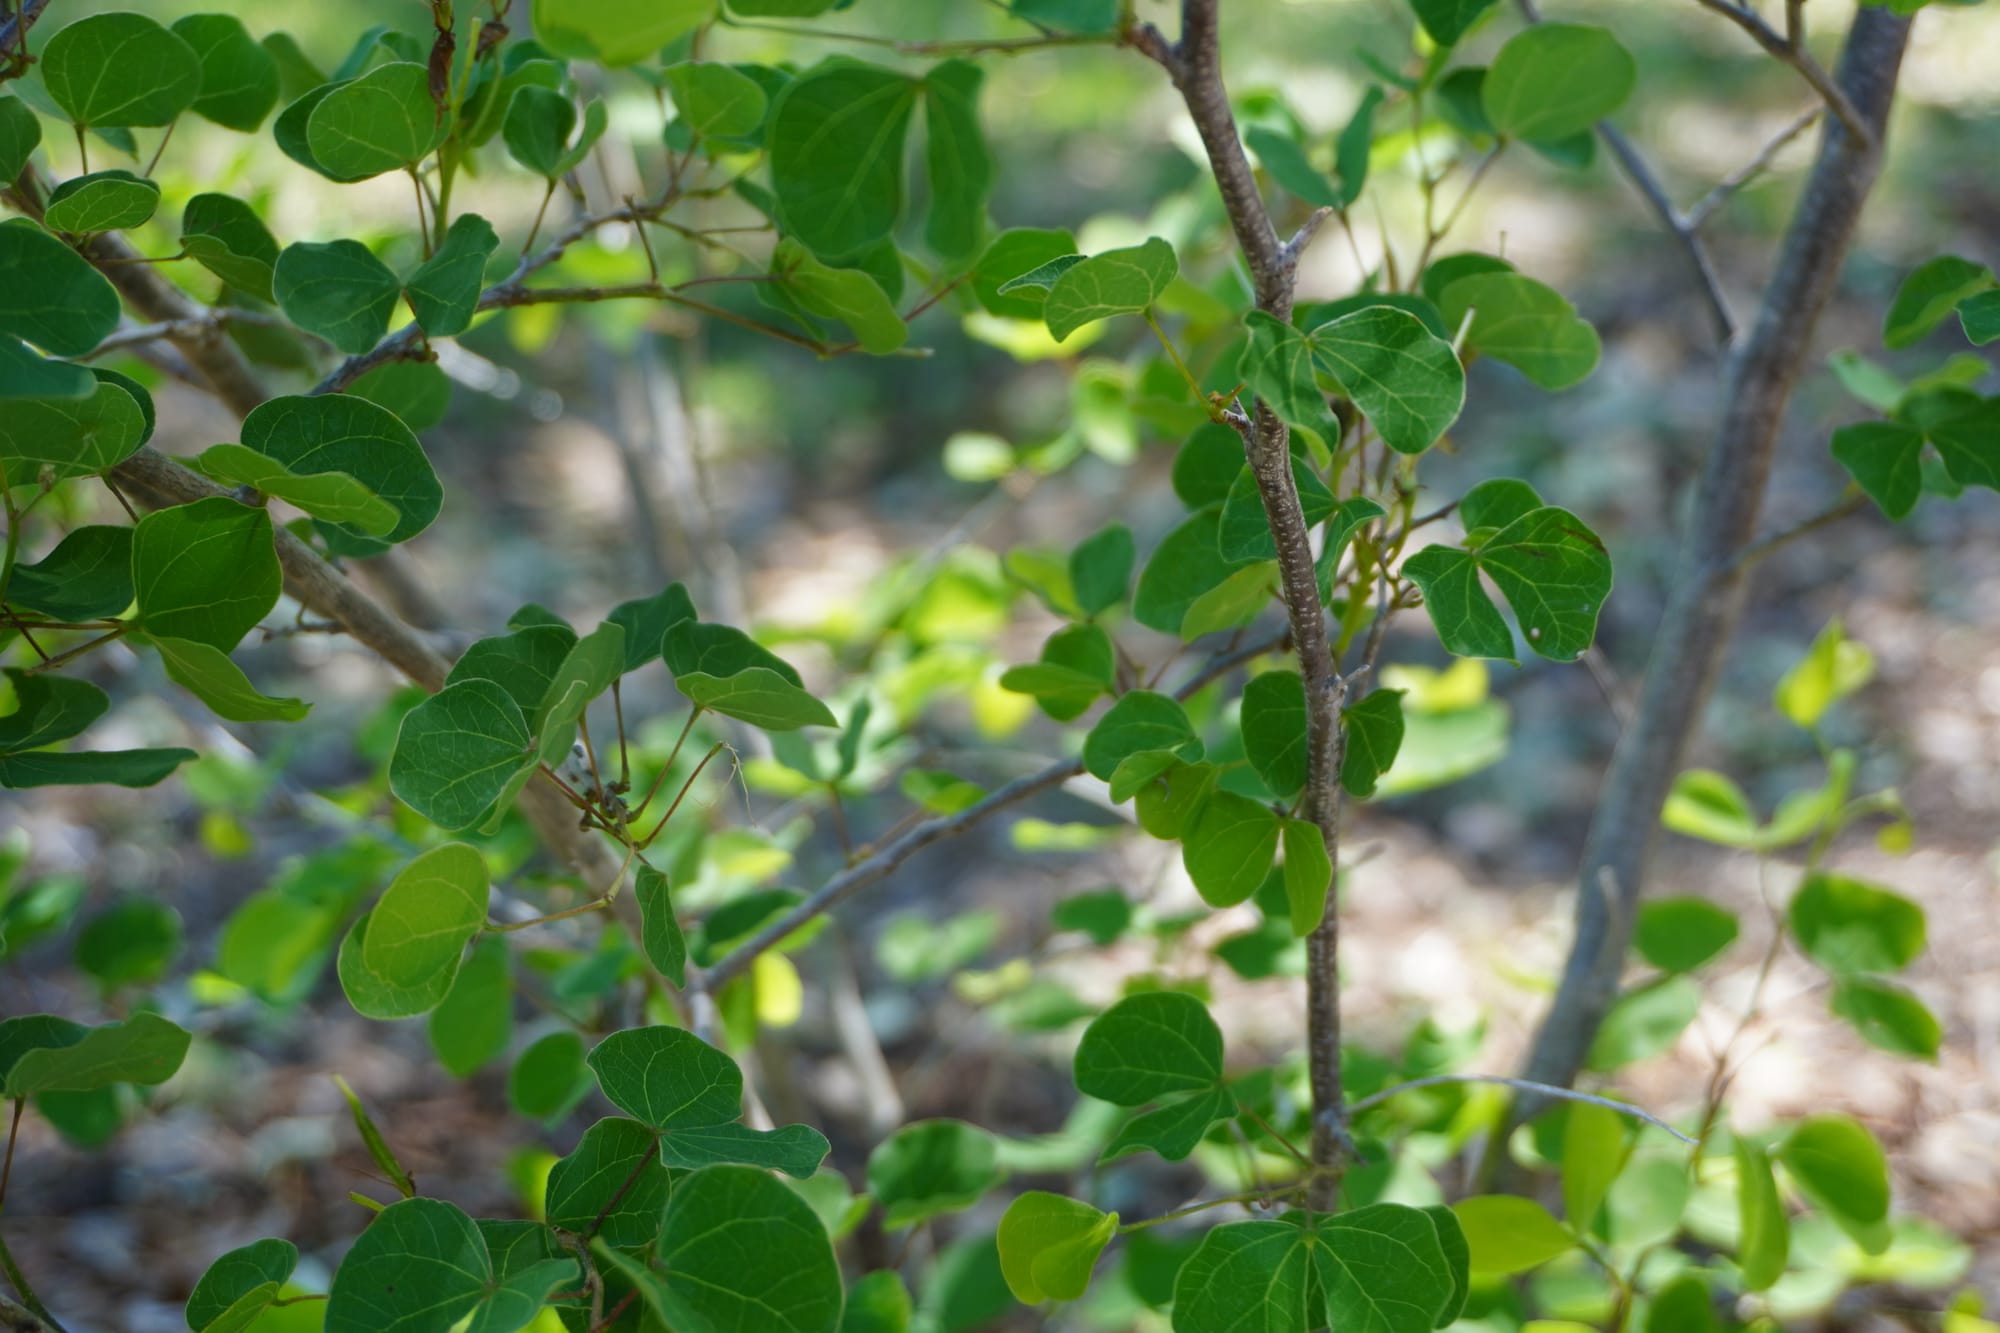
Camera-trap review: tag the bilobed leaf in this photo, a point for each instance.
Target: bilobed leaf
(1849, 925)
(1250, 1277)
(1508, 1234)
(1147, 1047)
(208, 674)
(239, 78)
(420, 925)
(69, 437)
(1553, 80)
(1078, 664)
(1382, 1269)
(225, 236)
(338, 290)
(101, 201)
(1117, 282)
(741, 1250)
(1172, 1130)
(333, 496)
(1766, 1229)
(668, 1078)
(1374, 736)
(1140, 721)
(87, 576)
(1681, 934)
(759, 696)
(836, 147)
(1404, 377)
(1041, 277)
(647, 620)
(1837, 1164)
(444, 291)
(345, 434)
(1885, 460)
(522, 663)
(1230, 848)
(1448, 20)
(1467, 622)
(587, 670)
(714, 99)
(846, 294)
(660, 936)
(143, 1049)
(383, 121)
(930, 1168)
(612, 1185)
(1308, 875)
(419, 1267)
(263, 1263)
(955, 157)
(1048, 1245)
(459, 751)
(1011, 255)
(1928, 296)
(120, 69)
(616, 32)
(1553, 571)
(1524, 323)
(49, 294)
(205, 571)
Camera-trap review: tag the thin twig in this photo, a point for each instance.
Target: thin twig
(1519, 1085)
(1852, 502)
(1794, 53)
(1705, 208)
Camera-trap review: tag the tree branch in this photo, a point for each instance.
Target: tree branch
(1725, 190)
(1707, 591)
(14, 38)
(1544, 1090)
(1791, 49)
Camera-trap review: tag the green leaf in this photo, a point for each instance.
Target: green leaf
(1645, 1023)
(49, 294)
(1524, 323)
(1681, 934)
(122, 768)
(239, 78)
(1833, 668)
(145, 1049)
(668, 1077)
(86, 577)
(1383, 1269)
(1308, 875)
(846, 294)
(205, 571)
(1277, 366)
(1010, 255)
(665, 946)
(1140, 721)
(550, 1077)
(1888, 1016)
(1467, 622)
(1457, 1254)
(1765, 1228)
(1685, 1305)
(25, 373)
(475, 1023)
(101, 201)
(1883, 457)
(796, 1150)
(1274, 730)
(1929, 294)
(1049, 1244)
(1838, 1165)
(587, 670)
(1374, 735)
(1117, 282)
(1087, 16)
(1042, 277)
(207, 673)
(1509, 1234)
(931, 1168)
(1185, 565)
(1978, 315)
(459, 752)
(225, 236)
(1149, 1046)
(228, 1285)
(1405, 378)
(1167, 807)
(741, 1250)
(1100, 569)
(1173, 1130)
(64, 438)
(338, 290)
(1247, 1276)
(1230, 849)
(1553, 571)
(523, 663)
(647, 620)
(758, 696)
(1553, 80)
(1707, 805)
(612, 1186)
(836, 149)
(955, 156)
(1244, 532)
(1078, 664)
(537, 128)
(48, 709)
(877, 1302)
(383, 121)
(20, 132)
(120, 69)
(1351, 151)
(1849, 926)
(345, 434)
(1969, 444)
(371, 995)
(420, 1267)
(1595, 1145)
(1448, 20)
(616, 32)
(444, 291)
(1285, 159)
(715, 99)
(419, 928)
(1233, 603)
(333, 496)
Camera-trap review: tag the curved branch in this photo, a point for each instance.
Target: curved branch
(1546, 1090)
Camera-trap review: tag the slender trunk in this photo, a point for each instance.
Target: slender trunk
(1707, 592)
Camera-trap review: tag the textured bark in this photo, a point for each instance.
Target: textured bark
(1707, 592)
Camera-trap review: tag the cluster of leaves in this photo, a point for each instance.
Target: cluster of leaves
(670, 1212)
